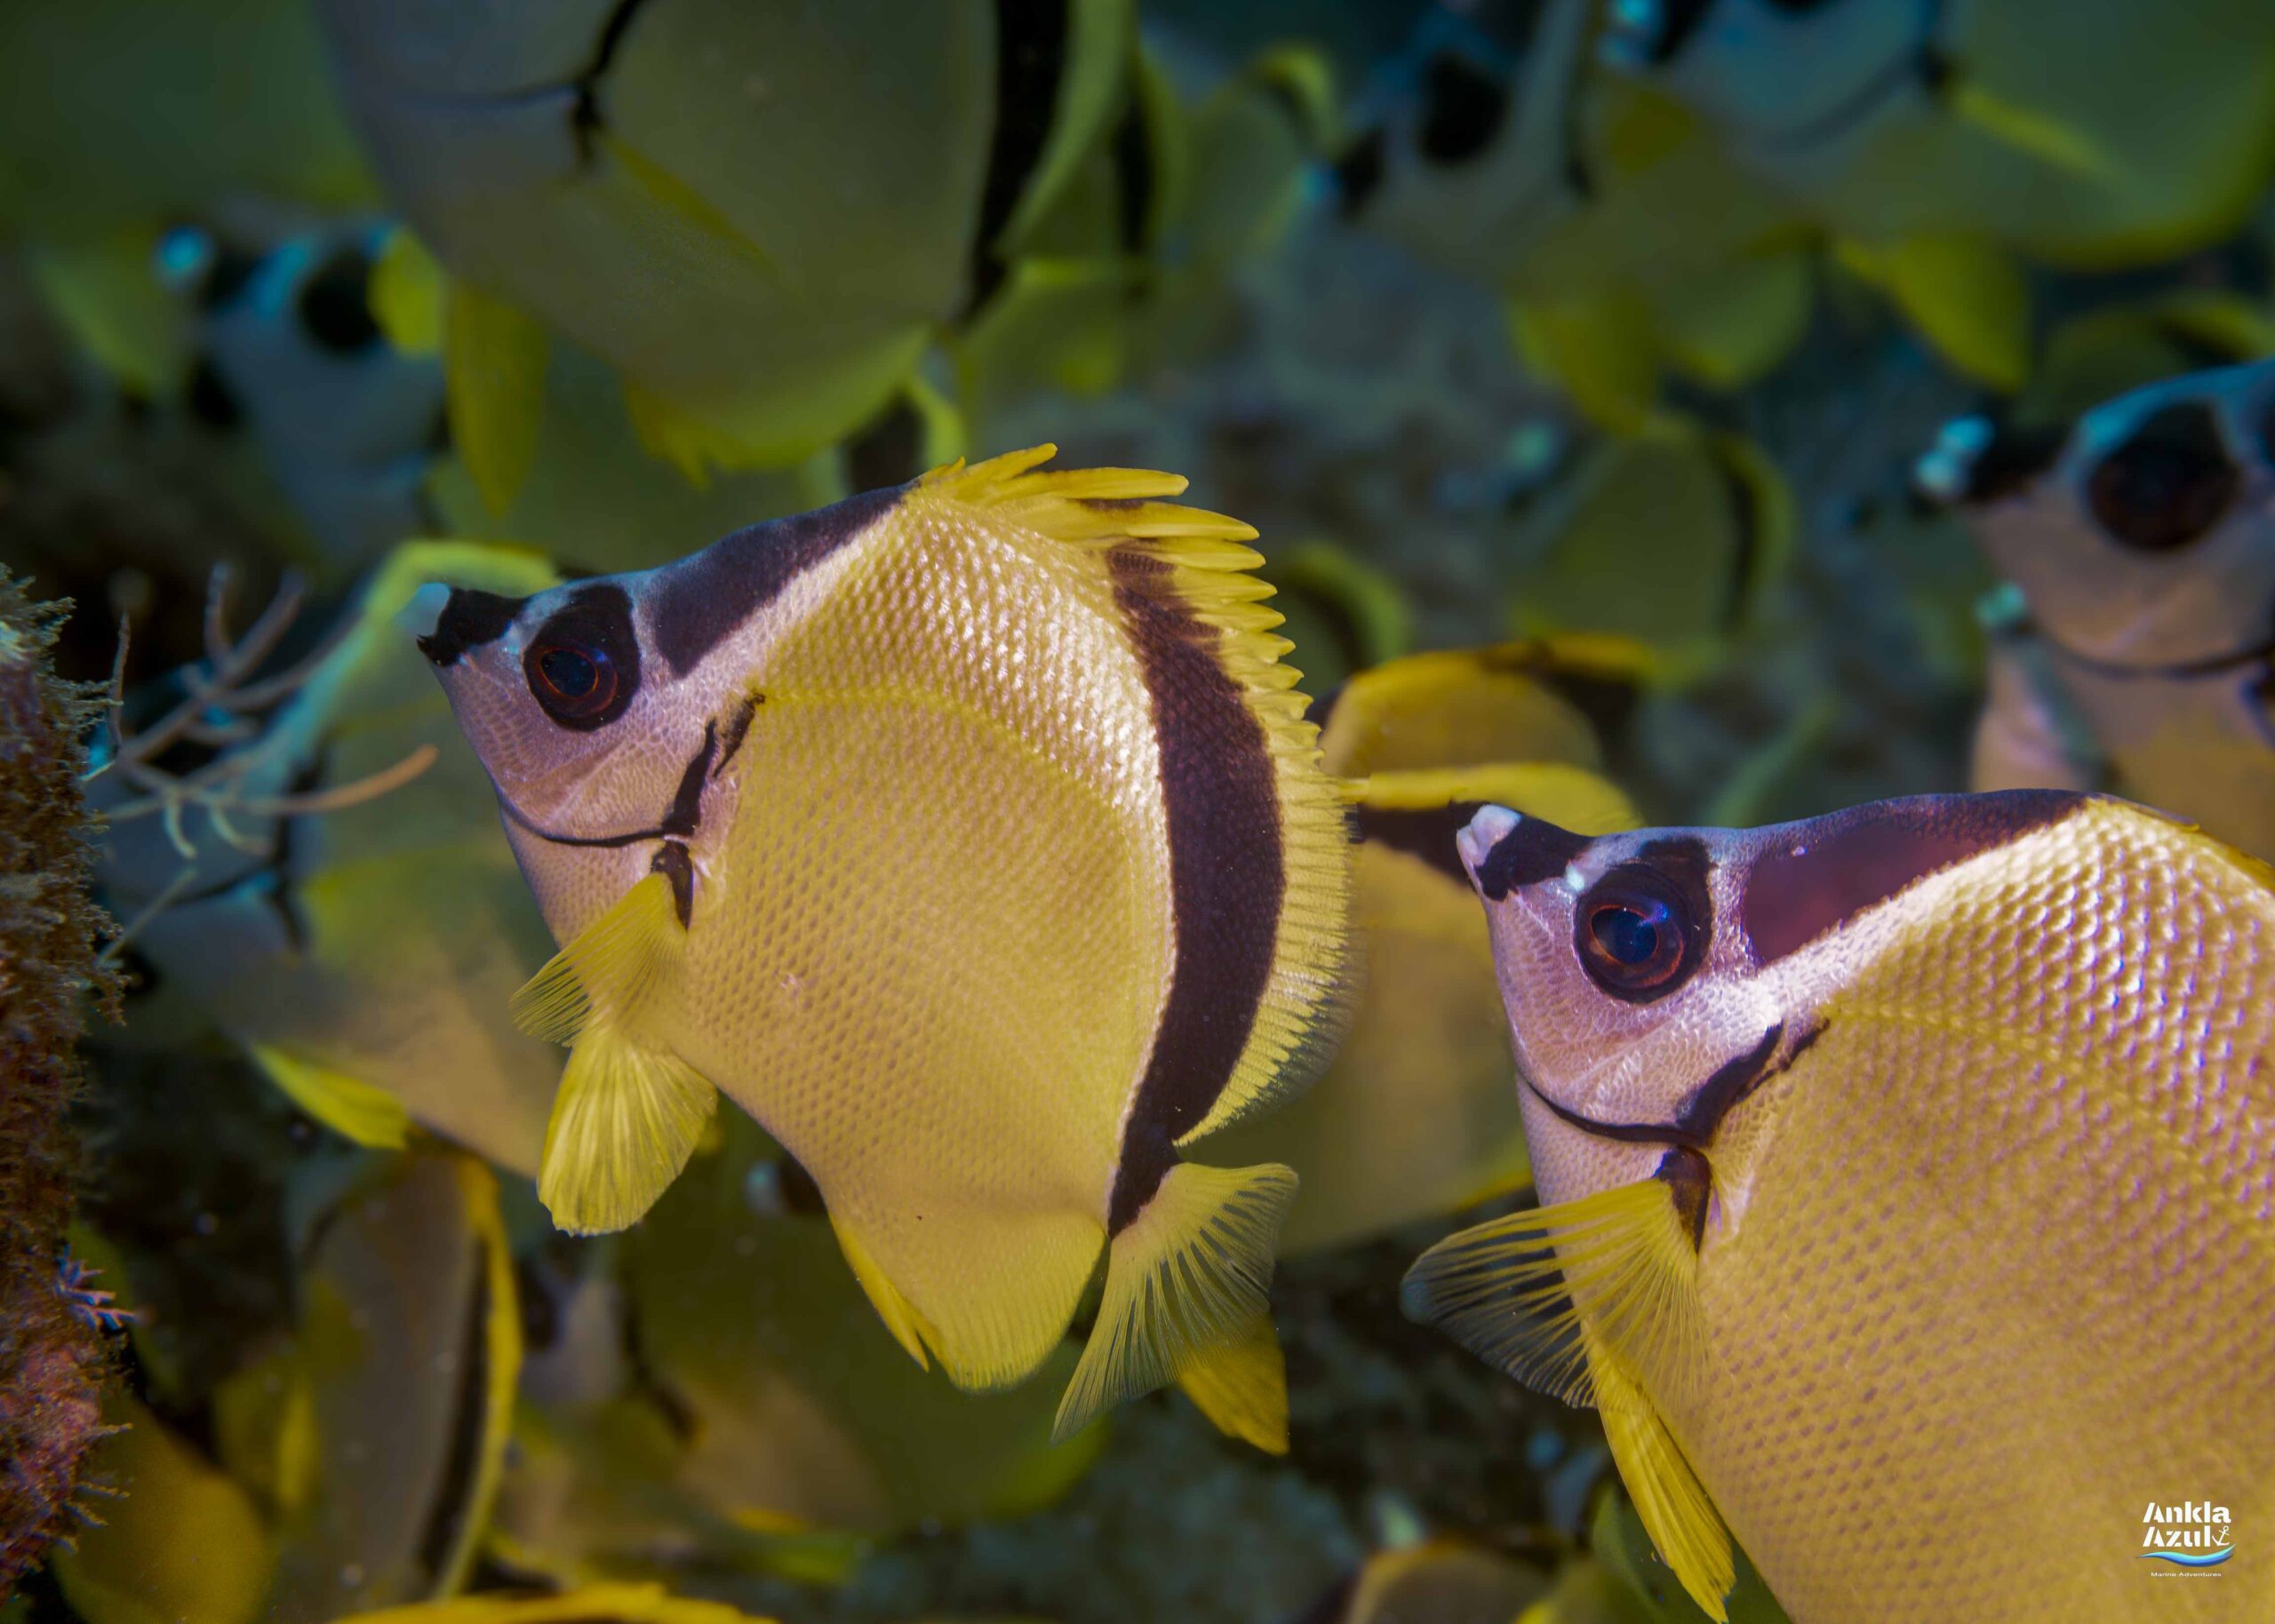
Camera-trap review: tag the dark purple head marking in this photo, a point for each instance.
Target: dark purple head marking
(1533, 851)
(694, 604)
(468, 620)
(1821, 873)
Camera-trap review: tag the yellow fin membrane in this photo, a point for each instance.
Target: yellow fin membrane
(1969, 298)
(1242, 1386)
(901, 1317)
(1570, 1299)
(1669, 1498)
(1185, 1287)
(630, 1112)
(1513, 1292)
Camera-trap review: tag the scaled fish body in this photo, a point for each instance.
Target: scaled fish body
(968, 836)
(2143, 545)
(1908, 1173)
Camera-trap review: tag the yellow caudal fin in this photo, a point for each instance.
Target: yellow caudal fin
(350, 1106)
(1242, 1386)
(1197, 563)
(629, 1112)
(493, 360)
(1186, 1288)
(1532, 1291)
(1672, 1502)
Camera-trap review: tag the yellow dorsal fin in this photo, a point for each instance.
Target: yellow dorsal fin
(350, 1106)
(1672, 1502)
(1187, 1284)
(1306, 1001)
(901, 1318)
(493, 361)
(1529, 1292)
(1242, 1386)
(1570, 797)
(629, 1112)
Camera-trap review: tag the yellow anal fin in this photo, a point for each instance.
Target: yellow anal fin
(1672, 1502)
(901, 1317)
(1242, 1386)
(1187, 1285)
(629, 1112)
(350, 1106)
(1530, 1293)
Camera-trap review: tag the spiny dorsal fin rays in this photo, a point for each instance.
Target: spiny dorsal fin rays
(630, 1112)
(1186, 1285)
(1672, 1504)
(1526, 1292)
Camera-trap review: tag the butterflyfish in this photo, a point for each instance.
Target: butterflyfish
(969, 836)
(2142, 549)
(1860, 1142)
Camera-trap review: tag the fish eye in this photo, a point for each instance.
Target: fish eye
(1635, 934)
(1464, 106)
(582, 666)
(2166, 484)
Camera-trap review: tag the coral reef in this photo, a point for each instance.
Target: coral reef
(52, 1320)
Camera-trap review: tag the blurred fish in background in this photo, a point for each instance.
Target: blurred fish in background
(1673, 412)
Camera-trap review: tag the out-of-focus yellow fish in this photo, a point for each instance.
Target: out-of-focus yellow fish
(1935, 139)
(2143, 544)
(762, 216)
(357, 1465)
(969, 836)
(1862, 1141)
(1627, 242)
(1439, 1581)
(359, 954)
(1415, 1116)
(589, 1604)
(109, 136)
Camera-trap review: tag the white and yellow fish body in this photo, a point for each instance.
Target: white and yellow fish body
(1909, 1195)
(2143, 542)
(968, 836)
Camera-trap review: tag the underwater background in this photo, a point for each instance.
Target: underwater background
(1674, 361)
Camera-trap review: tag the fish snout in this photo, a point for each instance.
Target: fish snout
(1488, 829)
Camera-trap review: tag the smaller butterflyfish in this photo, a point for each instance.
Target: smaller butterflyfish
(971, 837)
(2141, 542)
(1860, 1141)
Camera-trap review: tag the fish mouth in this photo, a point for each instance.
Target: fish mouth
(1703, 1108)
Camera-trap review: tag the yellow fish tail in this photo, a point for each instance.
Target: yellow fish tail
(1186, 1301)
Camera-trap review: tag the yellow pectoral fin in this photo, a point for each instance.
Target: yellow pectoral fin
(629, 1112)
(1672, 1502)
(624, 1124)
(1187, 1285)
(1242, 1386)
(1530, 1292)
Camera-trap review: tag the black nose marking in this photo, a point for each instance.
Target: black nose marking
(468, 620)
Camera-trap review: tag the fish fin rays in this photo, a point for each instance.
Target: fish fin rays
(630, 1112)
(1186, 1301)
(1203, 565)
(1242, 1386)
(624, 1124)
(1671, 1503)
(1530, 1293)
